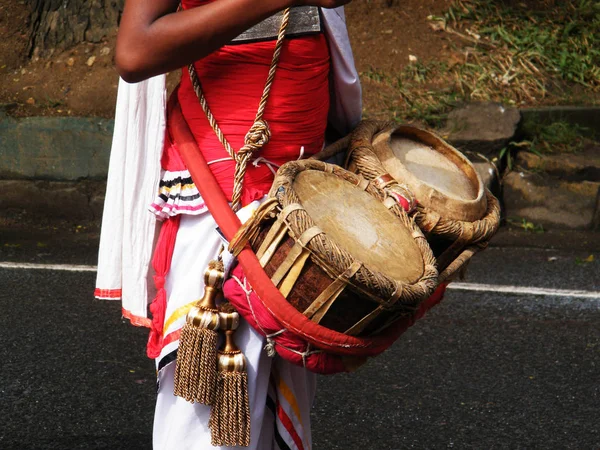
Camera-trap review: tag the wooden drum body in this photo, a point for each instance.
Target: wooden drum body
(445, 194)
(338, 254)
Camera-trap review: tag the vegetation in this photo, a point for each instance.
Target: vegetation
(509, 52)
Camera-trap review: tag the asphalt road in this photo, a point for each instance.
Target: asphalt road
(482, 371)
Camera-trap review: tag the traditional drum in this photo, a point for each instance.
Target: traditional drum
(434, 182)
(337, 254)
(351, 266)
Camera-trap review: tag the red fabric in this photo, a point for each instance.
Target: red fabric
(104, 294)
(288, 345)
(136, 320)
(171, 160)
(233, 79)
(161, 263)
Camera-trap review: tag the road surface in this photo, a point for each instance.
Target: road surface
(509, 360)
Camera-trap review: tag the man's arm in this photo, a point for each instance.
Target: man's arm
(153, 38)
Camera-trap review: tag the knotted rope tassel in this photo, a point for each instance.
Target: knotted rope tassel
(196, 367)
(230, 415)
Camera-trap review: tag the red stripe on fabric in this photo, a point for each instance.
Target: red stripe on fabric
(161, 263)
(282, 415)
(168, 206)
(108, 293)
(289, 426)
(171, 337)
(136, 320)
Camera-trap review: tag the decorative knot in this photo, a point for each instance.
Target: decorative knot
(257, 137)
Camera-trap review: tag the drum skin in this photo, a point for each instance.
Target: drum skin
(360, 224)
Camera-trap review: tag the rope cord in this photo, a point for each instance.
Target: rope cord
(259, 134)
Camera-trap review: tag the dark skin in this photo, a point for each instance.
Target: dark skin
(155, 38)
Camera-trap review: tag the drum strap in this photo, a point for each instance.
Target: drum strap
(365, 321)
(299, 252)
(275, 235)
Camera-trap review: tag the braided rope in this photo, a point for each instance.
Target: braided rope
(259, 134)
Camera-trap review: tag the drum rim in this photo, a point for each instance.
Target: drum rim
(411, 293)
(454, 207)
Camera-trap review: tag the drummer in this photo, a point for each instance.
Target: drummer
(155, 38)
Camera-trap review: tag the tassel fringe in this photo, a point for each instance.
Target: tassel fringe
(230, 416)
(196, 368)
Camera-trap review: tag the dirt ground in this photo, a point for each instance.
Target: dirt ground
(83, 82)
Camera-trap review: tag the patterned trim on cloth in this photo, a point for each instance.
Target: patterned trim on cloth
(136, 320)
(108, 294)
(177, 194)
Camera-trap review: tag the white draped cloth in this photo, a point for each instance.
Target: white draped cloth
(280, 393)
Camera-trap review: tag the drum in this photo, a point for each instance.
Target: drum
(437, 185)
(339, 255)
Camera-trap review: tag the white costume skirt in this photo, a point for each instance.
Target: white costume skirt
(280, 394)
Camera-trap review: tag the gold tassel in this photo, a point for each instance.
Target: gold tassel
(230, 415)
(196, 366)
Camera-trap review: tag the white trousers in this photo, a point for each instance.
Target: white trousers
(280, 394)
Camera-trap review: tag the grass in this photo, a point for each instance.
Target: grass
(557, 137)
(526, 225)
(510, 53)
(544, 139)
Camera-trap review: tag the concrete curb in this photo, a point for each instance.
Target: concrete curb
(55, 148)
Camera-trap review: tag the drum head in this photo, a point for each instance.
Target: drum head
(360, 224)
(439, 175)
